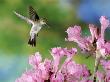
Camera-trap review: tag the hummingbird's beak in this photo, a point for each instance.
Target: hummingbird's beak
(47, 25)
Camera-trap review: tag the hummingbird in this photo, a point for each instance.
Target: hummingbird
(36, 24)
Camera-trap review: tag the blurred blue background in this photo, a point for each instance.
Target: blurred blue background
(61, 14)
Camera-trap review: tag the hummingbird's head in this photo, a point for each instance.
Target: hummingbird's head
(42, 21)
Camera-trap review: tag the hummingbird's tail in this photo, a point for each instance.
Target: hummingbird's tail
(32, 41)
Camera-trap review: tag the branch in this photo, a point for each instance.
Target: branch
(97, 60)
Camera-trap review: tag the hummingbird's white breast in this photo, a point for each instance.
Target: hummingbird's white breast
(35, 28)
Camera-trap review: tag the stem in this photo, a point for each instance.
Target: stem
(97, 60)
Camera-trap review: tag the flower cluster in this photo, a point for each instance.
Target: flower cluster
(94, 42)
(51, 70)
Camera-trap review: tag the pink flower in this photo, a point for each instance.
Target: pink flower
(104, 24)
(94, 32)
(103, 47)
(30, 76)
(57, 77)
(58, 51)
(107, 77)
(34, 60)
(48, 65)
(74, 33)
(70, 53)
(44, 68)
(44, 72)
(74, 72)
(100, 43)
(57, 54)
(106, 64)
(100, 76)
(107, 47)
(77, 70)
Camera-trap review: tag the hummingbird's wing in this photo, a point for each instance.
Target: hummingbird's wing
(24, 18)
(32, 14)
